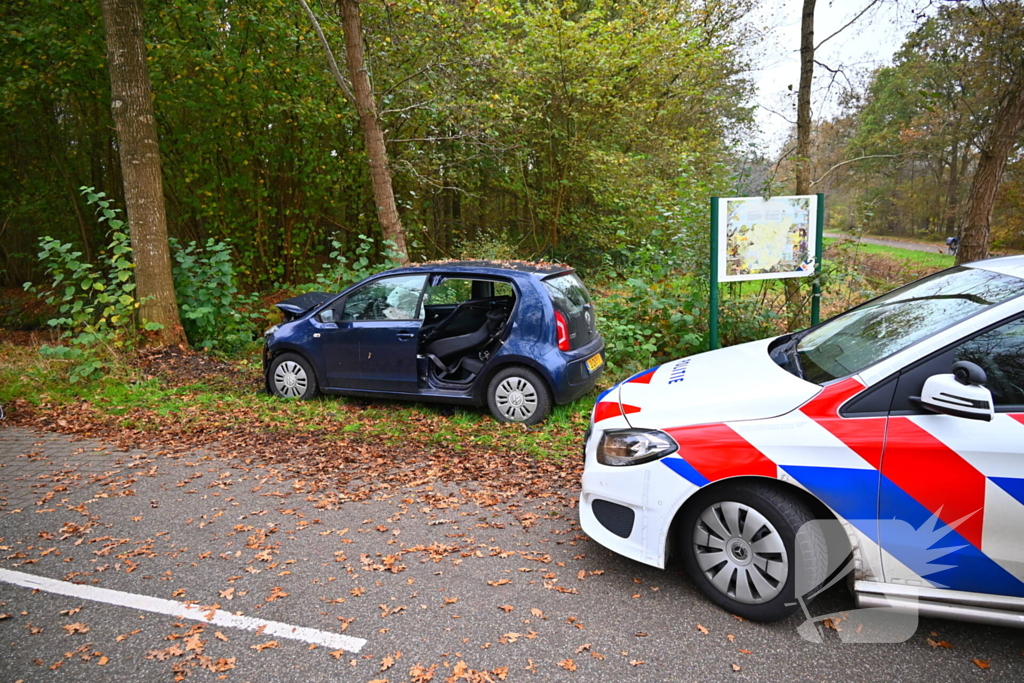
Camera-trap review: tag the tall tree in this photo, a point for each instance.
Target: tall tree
(1004, 132)
(131, 104)
(362, 89)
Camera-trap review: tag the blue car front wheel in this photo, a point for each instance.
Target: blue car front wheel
(292, 377)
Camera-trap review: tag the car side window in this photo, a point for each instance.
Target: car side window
(393, 298)
(1000, 353)
(449, 291)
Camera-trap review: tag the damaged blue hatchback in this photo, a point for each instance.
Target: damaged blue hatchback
(513, 335)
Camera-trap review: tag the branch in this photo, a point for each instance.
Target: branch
(338, 78)
(850, 161)
(847, 25)
(439, 138)
(781, 116)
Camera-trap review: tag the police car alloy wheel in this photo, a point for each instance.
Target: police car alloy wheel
(518, 394)
(292, 377)
(740, 545)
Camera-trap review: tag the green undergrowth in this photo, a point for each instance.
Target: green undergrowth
(127, 399)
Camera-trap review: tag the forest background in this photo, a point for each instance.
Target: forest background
(589, 132)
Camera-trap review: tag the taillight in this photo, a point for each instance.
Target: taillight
(563, 332)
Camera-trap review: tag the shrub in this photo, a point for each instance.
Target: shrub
(345, 270)
(96, 304)
(215, 315)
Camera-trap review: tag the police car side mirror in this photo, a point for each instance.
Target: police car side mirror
(960, 393)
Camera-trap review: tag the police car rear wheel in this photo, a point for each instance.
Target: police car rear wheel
(741, 546)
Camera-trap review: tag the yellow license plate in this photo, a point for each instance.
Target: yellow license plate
(594, 362)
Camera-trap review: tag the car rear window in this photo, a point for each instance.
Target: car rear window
(568, 293)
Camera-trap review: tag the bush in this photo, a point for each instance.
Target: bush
(343, 271)
(96, 304)
(215, 315)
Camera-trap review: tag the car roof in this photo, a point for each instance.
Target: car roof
(1007, 265)
(482, 267)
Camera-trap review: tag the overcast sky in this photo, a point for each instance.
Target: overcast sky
(870, 42)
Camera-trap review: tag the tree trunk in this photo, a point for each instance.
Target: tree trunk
(803, 100)
(803, 141)
(380, 172)
(977, 219)
(131, 103)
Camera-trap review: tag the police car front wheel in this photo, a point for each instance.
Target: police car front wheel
(741, 545)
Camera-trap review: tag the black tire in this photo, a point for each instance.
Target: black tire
(292, 377)
(712, 568)
(518, 394)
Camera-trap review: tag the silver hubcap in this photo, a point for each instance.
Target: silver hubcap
(740, 552)
(516, 399)
(290, 379)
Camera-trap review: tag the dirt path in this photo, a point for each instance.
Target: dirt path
(934, 247)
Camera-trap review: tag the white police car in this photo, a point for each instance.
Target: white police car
(902, 418)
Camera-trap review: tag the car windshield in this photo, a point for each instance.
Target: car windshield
(869, 333)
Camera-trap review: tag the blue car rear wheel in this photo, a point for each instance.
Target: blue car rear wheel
(518, 394)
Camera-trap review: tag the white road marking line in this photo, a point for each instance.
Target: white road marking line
(180, 610)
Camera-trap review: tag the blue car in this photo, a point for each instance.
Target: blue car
(513, 335)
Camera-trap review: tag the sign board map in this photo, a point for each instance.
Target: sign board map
(761, 239)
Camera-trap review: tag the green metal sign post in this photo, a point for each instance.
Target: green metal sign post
(713, 303)
(716, 238)
(819, 254)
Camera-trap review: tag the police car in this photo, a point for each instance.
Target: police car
(900, 421)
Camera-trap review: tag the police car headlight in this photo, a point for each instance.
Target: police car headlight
(621, 447)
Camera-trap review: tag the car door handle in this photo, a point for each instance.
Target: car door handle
(405, 335)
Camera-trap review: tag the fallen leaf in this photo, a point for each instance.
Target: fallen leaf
(567, 664)
(387, 663)
(938, 643)
(420, 674)
(499, 582)
(746, 652)
(264, 646)
(103, 660)
(981, 663)
(220, 636)
(76, 627)
(637, 662)
(702, 629)
(735, 667)
(536, 612)
(506, 608)
(583, 648)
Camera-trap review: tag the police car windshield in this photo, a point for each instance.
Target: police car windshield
(873, 331)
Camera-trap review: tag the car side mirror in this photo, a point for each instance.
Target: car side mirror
(960, 393)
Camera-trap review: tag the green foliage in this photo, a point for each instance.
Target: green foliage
(96, 303)
(345, 270)
(214, 313)
(555, 125)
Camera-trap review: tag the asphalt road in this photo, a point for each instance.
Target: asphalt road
(440, 587)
